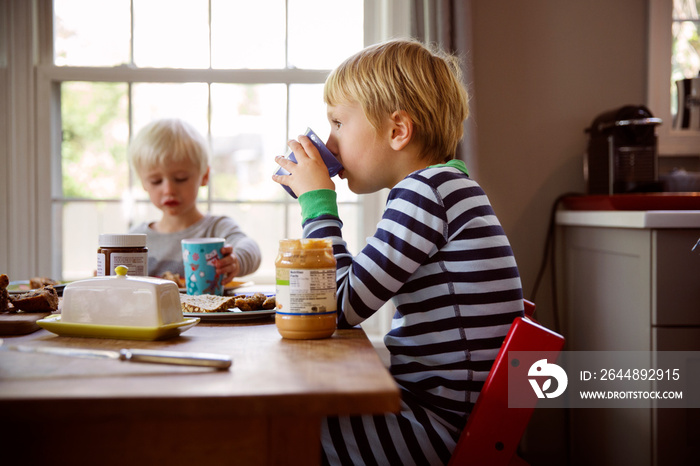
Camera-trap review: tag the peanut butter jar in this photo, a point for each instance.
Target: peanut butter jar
(306, 289)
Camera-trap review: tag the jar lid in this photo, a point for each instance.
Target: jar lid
(137, 240)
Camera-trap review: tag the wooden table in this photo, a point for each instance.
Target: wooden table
(267, 409)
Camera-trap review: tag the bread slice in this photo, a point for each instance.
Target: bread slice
(40, 282)
(40, 300)
(4, 295)
(206, 303)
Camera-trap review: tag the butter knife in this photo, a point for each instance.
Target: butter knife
(215, 361)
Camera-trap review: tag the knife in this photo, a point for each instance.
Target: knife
(215, 361)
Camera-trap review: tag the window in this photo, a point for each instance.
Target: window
(685, 59)
(674, 53)
(248, 75)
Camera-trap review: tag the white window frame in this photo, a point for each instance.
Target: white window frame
(670, 142)
(31, 113)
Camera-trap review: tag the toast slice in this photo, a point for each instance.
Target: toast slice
(40, 300)
(206, 303)
(4, 295)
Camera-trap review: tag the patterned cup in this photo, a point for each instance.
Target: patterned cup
(198, 256)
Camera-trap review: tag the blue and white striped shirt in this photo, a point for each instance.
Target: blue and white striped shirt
(442, 257)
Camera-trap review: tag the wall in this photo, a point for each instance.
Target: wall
(542, 71)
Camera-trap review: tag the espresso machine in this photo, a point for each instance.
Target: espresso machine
(621, 156)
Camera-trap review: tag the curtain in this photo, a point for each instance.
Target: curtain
(447, 23)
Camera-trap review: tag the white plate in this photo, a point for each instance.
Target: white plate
(22, 286)
(231, 315)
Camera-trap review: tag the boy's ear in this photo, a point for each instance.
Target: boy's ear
(205, 178)
(401, 129)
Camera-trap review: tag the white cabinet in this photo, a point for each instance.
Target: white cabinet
(631, 283)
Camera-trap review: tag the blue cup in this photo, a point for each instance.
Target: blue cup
(329, 159)
(198, 256)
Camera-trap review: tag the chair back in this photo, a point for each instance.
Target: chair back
(494, 430)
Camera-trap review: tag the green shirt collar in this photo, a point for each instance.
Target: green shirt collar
(454, 163)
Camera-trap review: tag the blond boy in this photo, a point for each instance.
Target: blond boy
(439, 253)
(172, 160)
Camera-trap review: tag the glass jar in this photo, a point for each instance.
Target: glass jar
(127, 250)
(306, 289)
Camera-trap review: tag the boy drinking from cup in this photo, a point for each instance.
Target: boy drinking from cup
(172, 160)
(439, 253)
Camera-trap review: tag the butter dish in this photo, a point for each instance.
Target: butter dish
(122, 300)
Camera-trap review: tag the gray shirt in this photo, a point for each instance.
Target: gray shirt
(165, 253)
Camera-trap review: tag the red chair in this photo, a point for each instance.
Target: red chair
(494, 430)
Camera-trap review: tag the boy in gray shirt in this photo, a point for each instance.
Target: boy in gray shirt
(172, 160)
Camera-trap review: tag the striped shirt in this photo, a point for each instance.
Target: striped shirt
(442, 257)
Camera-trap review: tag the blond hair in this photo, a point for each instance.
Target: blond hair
(167, 141)
(405, 75)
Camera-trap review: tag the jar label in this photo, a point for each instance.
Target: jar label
(306, 291)
(100, 265)
(137, 262)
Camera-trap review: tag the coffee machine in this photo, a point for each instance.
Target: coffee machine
(621, 156)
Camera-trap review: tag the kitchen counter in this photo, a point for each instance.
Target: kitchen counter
(629, 282)
(630, 218)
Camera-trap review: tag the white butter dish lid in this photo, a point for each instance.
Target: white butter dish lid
(122, 300)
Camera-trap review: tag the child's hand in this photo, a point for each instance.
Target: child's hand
(309, 173)
(227, 266)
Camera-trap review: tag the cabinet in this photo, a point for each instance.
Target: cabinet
(631, 283)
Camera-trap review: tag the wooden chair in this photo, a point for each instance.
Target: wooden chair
(494, 430)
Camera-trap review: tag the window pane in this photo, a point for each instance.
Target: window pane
(248, 130)
(171, 33)
(350, 215)
(89, 33)
(686, 9)
(685, 60)
(294, 228)
(80, 244)
(95, 133)
(247, 34)
(686, 49)
(307, 110)
(152, 101)
(264, 222)
(322, 33)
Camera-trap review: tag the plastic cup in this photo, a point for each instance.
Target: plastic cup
(198, 256)
(329, 159)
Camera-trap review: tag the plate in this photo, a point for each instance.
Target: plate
(231, 316)
(53, 324)
(22, 286)
(229, 288)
